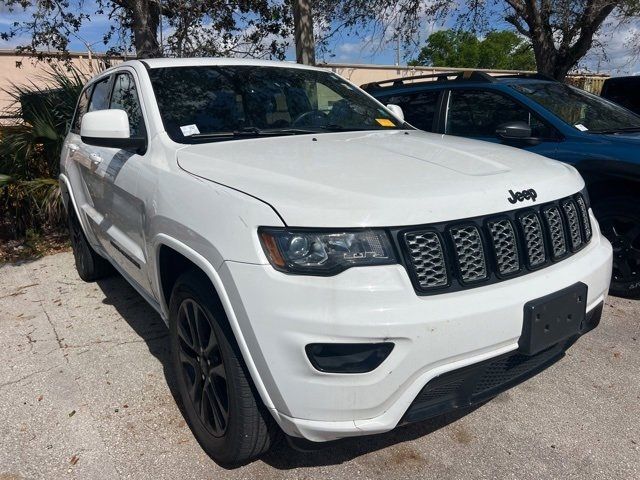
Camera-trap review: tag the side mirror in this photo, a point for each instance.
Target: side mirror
(396, 110)
(109, 128)
(515, 131)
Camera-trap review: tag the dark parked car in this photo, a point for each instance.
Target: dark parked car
(624, 91)
(536, 113)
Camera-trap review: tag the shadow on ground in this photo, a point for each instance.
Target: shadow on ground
(149, 326)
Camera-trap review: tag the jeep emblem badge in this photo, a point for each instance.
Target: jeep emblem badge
(529, 194)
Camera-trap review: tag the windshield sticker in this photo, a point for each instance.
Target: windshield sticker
(581, 127)
(188, 130)
(385, 122)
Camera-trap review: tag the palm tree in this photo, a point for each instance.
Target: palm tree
(30, 149)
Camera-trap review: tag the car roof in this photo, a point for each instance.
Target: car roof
(153, 63)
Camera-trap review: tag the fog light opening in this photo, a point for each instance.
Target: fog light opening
(348, 357)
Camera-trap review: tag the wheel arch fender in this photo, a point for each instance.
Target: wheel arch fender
(199, 261)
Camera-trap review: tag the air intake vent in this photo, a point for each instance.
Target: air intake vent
(505, 246)
(573, 223)
(427, 258)
(470, 253)
(533, 239)
(584, 216)
(555, 226)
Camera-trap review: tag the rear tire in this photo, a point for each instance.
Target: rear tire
(219, 401)
(619, 220)
(89, 264)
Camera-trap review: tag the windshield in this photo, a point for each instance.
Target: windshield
(582, 110)
(208, 103)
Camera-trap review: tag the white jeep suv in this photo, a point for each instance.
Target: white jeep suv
(325, 269)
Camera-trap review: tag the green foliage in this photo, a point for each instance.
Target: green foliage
(456, 48)
(30, 150)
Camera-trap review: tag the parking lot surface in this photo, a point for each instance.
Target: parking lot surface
(86, 392)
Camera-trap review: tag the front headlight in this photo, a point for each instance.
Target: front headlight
(325, 252)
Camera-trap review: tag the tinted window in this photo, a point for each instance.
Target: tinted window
(81, 109)
(419, 108)
(479, 113)
(582, 110)
(100, 96)
(624, 92)
(125, 97)
(211, 102)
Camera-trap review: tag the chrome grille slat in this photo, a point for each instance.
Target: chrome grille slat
(573, 224)
(470, 252)
(505, 246)
(533, 239)
(519, 240)
(555, 226)
(427, 257)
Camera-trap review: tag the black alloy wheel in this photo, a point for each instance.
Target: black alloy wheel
(220, 403)
(203, 367)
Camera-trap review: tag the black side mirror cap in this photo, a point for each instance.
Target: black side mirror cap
(132, 143)
(516, 132)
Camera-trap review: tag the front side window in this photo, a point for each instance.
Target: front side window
(81, 109)
(125, 97)
(419, 108)
(478, 113)
(207, 103)
(582, 110)
(100, 96)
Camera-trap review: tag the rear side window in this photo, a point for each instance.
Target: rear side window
(419, 108)
(81, 109)
(100, 96)
(625, 93)
(477, 113)
(125, 97)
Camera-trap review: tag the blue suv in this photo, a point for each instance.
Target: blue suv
(536, 113)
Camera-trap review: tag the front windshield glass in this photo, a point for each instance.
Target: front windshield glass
(582, 110)
(208, 103)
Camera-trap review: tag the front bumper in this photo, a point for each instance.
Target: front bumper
(280, 314)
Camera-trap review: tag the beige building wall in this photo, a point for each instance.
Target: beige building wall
(23, 69)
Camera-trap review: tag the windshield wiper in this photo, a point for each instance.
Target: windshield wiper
(250, 132)
(617, 130)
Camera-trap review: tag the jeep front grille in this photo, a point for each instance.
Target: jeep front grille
(573, 223)
(503, 240)
(456, 255)
(469, 252)
(427, 259)
(555, 227)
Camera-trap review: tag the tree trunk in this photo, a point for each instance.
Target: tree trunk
(303, 32)
(145, 16)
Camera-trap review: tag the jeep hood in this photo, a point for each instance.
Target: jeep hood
(388, 178)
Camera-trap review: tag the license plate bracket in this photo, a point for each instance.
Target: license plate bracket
(552, 318)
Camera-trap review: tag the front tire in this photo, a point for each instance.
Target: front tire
(89, 264)
(619, 220)
(219, 401)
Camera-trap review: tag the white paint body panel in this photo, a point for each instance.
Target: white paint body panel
(207, 202)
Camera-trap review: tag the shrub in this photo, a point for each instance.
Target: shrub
(30, 150)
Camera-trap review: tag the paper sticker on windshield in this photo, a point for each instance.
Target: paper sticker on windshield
(385, 122)
(581, 127)
(188, 130)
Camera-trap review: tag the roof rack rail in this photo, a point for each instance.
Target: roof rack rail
(466, 75)
(537, 76)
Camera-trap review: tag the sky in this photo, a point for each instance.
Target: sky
(613, 56)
